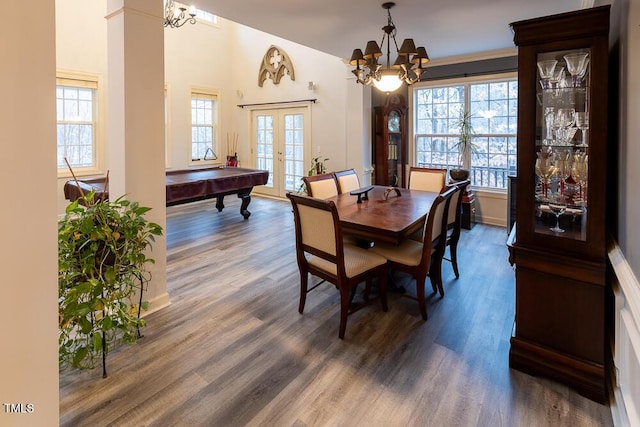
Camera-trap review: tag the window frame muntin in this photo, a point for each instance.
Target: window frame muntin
(448, 82)
(95, 82)
(214, 93)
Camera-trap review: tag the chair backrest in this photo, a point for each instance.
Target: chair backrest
(453, 217)
(436, 225)
(318, 230)
(427, 179)
(321, 186)
(347, 180)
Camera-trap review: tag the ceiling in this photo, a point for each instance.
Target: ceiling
(447, 28)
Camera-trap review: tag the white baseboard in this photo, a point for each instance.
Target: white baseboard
(625, 398)
(157, 303)
(489, 220)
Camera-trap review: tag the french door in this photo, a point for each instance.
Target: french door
(280, 141)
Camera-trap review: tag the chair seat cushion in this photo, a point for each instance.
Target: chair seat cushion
(409, 252)
(356, 261)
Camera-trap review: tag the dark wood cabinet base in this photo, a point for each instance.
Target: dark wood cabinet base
(468, 216)
(585, 377)
(468, 206)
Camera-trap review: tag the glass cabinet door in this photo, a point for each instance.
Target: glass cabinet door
(562, 144)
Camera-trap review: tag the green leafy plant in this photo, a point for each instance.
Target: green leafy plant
(102, 266)
(317, 168)
(465, 144)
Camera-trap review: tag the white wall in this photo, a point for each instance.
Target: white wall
(81, 47)
(629, 172)
(491, 207)
(196, 56)
(329, 115)
(624, 254)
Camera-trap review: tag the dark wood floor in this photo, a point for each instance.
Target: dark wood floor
(232, 350)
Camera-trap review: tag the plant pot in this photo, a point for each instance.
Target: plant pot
(459, 174)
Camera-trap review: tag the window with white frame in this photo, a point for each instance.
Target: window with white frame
(204, 16)
(204, 121)
(76, 110)
(493, 108)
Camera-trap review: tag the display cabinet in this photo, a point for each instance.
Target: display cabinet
(390, 142)
(560, 240)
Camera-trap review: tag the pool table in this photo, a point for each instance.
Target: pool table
(189, 185)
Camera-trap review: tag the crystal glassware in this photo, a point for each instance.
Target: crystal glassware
(577, 66)
(580, 174)
(546, 69)
(557, 78)
(558, 206)
(564, 136)
(549, 117)
(582, 123)
(545, 170)
(564, 117)
(563, 168)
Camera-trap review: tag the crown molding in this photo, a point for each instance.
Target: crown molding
(480, 56)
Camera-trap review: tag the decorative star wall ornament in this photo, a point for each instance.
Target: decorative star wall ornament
(275, 64)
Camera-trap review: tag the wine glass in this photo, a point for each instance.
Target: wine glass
(580, 173)
(563, 168)
(556, 78)
(545, 170)
(546, 69)
(564, 117)
(582, 122)
(558, 206)
(565, 135)
(576, 65)
(563, 121)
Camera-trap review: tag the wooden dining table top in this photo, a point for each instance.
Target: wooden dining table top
(391, 220)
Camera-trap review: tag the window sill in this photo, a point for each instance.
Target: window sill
(80, 172)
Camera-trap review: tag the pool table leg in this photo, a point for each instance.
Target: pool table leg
(246, 199)
(220, 203)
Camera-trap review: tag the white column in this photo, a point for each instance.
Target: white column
(135, 118)
(28, 260)
(358, 115)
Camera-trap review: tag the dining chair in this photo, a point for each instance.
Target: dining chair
(322, 252)
(347, 180)
(415, 257)
(454, 219)
(427, 179)
(321, 186)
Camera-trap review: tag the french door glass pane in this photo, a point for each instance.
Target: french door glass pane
(293, 158)
(264, 149)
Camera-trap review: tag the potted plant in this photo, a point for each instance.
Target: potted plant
(102, 265)
(317, 168)
(465, 147)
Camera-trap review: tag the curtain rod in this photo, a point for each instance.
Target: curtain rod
(274, 103)
(472, 74)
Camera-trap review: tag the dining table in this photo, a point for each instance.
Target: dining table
(387, 214)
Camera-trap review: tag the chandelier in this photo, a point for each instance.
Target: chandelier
(408, 67)
(177, 18)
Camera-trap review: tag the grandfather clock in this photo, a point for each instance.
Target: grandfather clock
(390, 142)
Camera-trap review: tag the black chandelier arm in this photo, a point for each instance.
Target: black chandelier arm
(173, 21)
(177, 24)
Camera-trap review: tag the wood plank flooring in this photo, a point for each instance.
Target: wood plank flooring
(232, 350)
